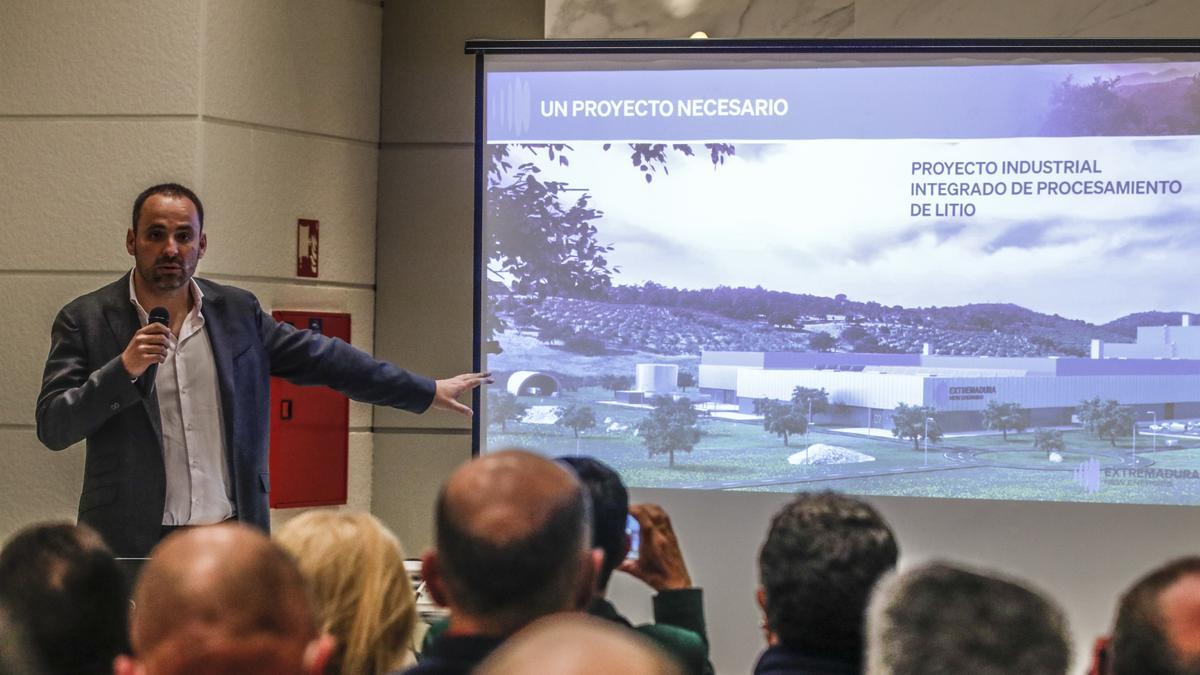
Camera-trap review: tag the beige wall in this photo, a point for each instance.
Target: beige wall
(269, 109)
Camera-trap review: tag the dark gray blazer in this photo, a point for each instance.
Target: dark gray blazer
(87, 394)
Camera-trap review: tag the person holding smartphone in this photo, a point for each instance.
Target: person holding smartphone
(679, 625)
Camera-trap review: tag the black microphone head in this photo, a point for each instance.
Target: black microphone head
(160, 315)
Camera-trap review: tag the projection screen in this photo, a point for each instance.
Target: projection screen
(905, 269)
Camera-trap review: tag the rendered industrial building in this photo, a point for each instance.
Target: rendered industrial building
(1159, 375)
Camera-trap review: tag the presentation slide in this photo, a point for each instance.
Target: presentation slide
(965, 279)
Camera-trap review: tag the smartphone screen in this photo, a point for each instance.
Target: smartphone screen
(634, 530)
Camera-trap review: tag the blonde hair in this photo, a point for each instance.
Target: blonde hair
(364, 599)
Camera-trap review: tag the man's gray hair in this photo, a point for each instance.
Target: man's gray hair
(942, 619)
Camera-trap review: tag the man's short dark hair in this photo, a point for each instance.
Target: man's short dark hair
(940, 619)
(519, 580)
(1139, 643)
(610, 509)
(62, 585)
(823, 554)
(167, 190)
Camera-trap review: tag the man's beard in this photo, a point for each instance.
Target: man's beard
(167, 282)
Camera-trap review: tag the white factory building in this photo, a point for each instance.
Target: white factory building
(864, 388)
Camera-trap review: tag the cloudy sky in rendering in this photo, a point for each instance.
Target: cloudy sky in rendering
(835, 216)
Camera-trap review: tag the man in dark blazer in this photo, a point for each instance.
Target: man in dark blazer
(105, 382)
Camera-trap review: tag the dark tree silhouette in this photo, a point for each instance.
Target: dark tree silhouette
(543, 240)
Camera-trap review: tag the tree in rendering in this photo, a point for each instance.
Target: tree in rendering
(1093, 109)
(615, 383)
(1106, 419)
(577, 418)
(821, 342)
(505, 407)
(555, 332)
(1048, 441)
(1005, 417)
(912, 421)
(811, 400)
(686, 379)
(671, 426)
(782, 418)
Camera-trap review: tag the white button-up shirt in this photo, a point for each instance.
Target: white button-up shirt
(199, 490)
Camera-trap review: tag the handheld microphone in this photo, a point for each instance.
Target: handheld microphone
(157, 315)
(160, 315)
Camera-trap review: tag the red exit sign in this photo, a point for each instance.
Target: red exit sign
(307, 238)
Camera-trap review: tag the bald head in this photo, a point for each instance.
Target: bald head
(221, 599)
(506, 496)
(578, 644)
(512, 537)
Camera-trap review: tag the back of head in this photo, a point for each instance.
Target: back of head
(578, 644)
(944, 620)
(16, 657)
(355, 568)
(823, 555)
(513, 534)
(63, 586)
(221, 599)
(610, 508)
(1157, 629)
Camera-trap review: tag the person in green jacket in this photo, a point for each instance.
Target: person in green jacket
(679, 625)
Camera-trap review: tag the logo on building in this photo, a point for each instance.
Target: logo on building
(970, 393)
(1087, 475)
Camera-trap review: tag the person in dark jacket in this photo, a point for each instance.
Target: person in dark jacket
(679, 625)
(513, 544)
(822, 557)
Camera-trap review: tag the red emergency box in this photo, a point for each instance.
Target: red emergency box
(310, 429)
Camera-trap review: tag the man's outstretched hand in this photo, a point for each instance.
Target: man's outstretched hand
(660, 560)
(448, 391)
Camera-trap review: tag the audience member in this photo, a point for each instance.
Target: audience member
(944, 620)
(355, 568)
(223, 600)
(513, 545)
(61, 584)
(679, 625)
(1157, 629)
(577, 644)
(822, 557)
